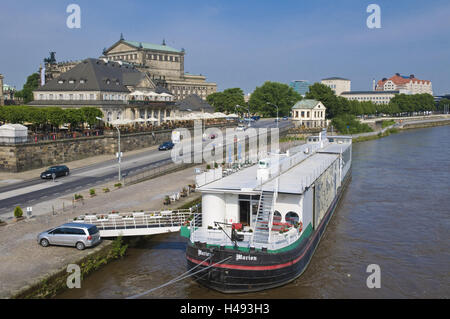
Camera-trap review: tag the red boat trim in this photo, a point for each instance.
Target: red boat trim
(271, 267)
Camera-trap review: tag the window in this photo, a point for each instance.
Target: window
(292, 218)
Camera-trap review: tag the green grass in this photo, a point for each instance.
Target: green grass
(387, 123)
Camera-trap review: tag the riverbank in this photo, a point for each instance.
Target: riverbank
(392, 129)
(31, 271)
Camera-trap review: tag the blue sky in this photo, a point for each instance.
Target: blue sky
(242, 43)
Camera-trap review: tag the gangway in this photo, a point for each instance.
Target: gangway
(139, 223)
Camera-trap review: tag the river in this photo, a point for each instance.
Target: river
(395, 213)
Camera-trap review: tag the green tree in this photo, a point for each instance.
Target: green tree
(348, 124)
(27, 91)
(324, 94)
(263, 97)
(90, 115)
(74, 116)
(227, 100)
(56, 116)
(444, 103)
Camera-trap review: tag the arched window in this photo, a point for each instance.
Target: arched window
(292, 218)
(108, 116)
(276, 217)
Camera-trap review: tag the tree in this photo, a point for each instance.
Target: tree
(276, 93)
(226, 101)
(56, 116)
(90, 115)
(324, 94)
(74, 117)
(27, 92)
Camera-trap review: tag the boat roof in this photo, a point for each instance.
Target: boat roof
(292, 181)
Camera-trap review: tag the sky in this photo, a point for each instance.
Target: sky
(241, 43)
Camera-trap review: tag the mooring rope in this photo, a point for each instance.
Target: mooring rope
(180, 277)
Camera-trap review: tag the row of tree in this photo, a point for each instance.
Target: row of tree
(40, 117)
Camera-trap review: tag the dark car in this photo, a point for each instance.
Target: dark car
(55, 171)
(256, 117)
(285, 118)
(166, 146)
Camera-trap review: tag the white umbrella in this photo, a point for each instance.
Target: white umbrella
(152, 119)
(121, 122)
(139, 120)
(232, 115)
(219, 115)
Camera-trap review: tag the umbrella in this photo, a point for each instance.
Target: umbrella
(121, 122)
(152, 119)
(232, 115)
(139, 120)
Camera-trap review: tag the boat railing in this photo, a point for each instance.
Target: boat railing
(135, 220)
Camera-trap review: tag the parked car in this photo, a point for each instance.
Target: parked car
(166, 146)
(285, 118)
(241, 128)
(79, 235)
(256, 117)
(55, 171)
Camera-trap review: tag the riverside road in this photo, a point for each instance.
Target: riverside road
(33, 191)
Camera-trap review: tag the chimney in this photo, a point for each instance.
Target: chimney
(398, 74)
(373, 85)
(411, 76)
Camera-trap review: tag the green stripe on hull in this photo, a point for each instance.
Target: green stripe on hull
(306, 233)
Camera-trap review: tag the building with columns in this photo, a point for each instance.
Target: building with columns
(309, 113)
(119, 90)
(163, 64)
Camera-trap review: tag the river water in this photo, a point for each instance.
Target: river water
(395, 213)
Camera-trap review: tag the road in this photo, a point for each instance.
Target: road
(31, 192)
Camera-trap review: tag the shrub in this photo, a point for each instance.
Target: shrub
(18, 212)
(78, 196)
(216, 165)
(208, 166)
(92, 191)
(106, 190)
(118, 185)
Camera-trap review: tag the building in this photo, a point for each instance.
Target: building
(193, 103)
(2, 99)
(163, 64)
(377, 97)
(408, 84)
(300, 86)
(119, 90)
(338, 85)
(309, 113)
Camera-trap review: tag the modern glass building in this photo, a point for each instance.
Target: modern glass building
(301, 86)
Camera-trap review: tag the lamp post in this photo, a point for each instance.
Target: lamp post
(277, 111)
(119, 156)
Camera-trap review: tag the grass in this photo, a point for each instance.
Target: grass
(374, 137)
(387, 123)
(291, 139)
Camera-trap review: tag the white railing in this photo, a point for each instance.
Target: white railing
(208, 176)
(147, 219)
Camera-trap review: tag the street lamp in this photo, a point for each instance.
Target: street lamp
(277, 110)
(119, 156)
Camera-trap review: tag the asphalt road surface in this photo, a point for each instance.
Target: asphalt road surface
(33, 191)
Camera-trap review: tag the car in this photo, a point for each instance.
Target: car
(166, 146)
(256, 117)
(241, 128)
(55, 171)
(277, 120)
(79, 235)
(285, 118)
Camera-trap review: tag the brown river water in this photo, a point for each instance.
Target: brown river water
(395, 213)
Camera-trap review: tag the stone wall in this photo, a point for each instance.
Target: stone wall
(22, 157)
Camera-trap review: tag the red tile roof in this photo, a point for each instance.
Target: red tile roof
(400, 80)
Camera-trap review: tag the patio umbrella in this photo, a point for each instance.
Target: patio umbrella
(139, 120)
(151, 119)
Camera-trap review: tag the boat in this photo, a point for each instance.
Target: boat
(260, 224)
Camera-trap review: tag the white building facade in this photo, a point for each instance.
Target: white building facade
(338, 85)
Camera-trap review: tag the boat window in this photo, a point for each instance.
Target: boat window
(292, 218)
(276, 216)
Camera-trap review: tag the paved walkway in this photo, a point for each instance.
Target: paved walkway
(23, 261)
